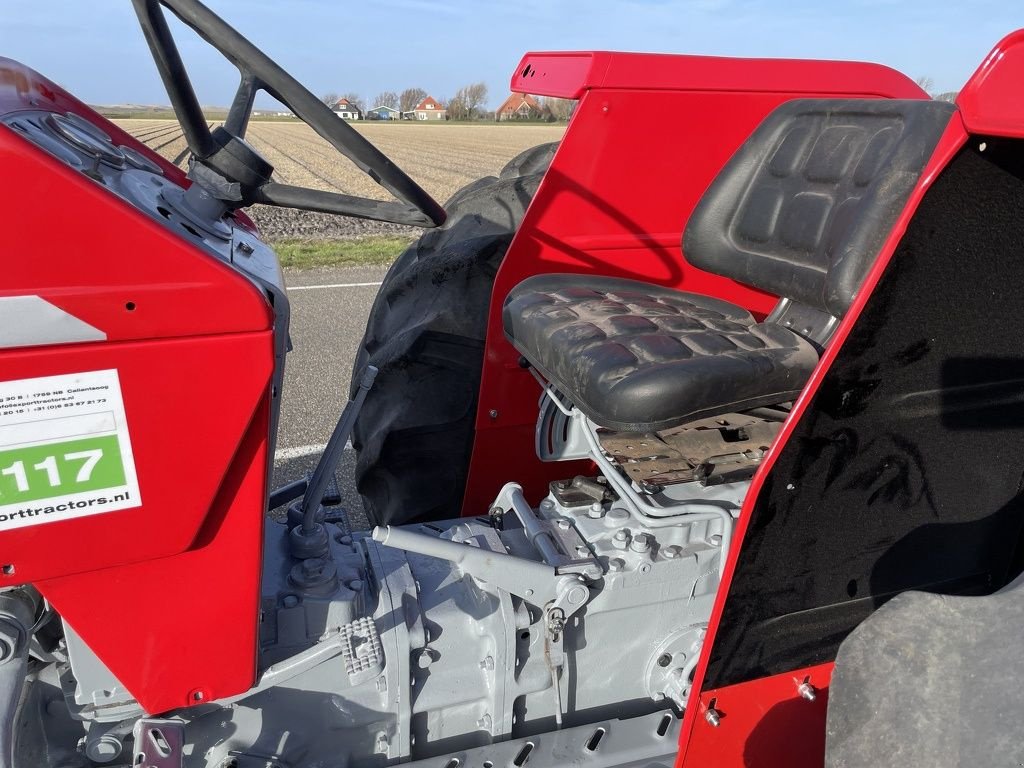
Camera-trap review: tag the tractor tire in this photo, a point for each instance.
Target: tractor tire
(533, 160)
(425, 335)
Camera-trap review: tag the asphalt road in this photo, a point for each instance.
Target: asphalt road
(329, 311)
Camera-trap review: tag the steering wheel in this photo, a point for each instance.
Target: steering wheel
(234, 172)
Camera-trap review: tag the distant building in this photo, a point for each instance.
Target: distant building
(428, 109)
(520, 106)
(383, 113)
(347, 110)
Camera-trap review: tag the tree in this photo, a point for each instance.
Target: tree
(330, 99)
(467, 102)
(410, 98)
(925, 83)
(559, 109)
(387, 99)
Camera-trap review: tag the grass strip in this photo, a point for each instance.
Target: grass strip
(306, 254)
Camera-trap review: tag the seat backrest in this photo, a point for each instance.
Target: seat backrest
(803, 207)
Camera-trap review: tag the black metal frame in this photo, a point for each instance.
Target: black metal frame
(224, 149)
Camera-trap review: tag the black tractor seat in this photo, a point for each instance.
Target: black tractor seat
(801, 211)
(638, 357)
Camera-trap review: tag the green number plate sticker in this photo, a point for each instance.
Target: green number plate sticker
(65, 450)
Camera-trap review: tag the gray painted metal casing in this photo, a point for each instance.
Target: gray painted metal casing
(384, 655)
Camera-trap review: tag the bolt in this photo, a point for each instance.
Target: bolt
(356, 585)
(493, 413)
(618, 513)
(581, 550)
(621, 539)
(343, 538)
(807, 691)
(716, 540)
(381, 743)
(424, 658)
(671, 552)
(547, 505)
(616, 564)
(562, 524)
(487, 663)
(641, 542)
(596, 510)
(289, 601)
(484, 722)
(713, 716)
(245, 248)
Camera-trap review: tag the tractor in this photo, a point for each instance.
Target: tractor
(689, 441)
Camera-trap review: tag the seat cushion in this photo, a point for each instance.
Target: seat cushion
(635, 356)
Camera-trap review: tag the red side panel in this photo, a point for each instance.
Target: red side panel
(182, 630)
(759, 700)
(990, 102)
(763, 724)
(632, 166)
(166, 593)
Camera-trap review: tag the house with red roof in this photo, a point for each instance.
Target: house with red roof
(347, 110)
(428, 109)
(520, 106)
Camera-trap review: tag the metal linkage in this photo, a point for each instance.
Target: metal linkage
(559, 596)
(310, 538)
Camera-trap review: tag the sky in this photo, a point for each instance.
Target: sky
(95, 49)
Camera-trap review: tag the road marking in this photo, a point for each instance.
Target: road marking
(333, 285)
(300, 451)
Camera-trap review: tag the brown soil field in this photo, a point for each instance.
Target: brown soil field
(441, 158)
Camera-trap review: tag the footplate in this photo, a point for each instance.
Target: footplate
(722, 449)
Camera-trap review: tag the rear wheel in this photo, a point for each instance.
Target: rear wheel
(414, 435)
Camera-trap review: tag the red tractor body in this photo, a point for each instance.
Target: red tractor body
(194, 344)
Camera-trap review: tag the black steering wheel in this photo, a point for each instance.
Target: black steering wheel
(235, 172)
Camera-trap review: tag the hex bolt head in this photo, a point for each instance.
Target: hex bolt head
(487, 663)
(562, 523)
(424, 658)
(621, 539)
(595, 510)
(289, 601)
(616, 564)
(672, 551)
(713, 716)
(641, 542)
(547, 505)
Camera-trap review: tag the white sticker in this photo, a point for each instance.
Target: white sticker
(65, 451)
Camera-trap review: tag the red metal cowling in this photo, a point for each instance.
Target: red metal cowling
(138, 584)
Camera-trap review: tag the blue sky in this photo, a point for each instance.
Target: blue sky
(95, 48)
